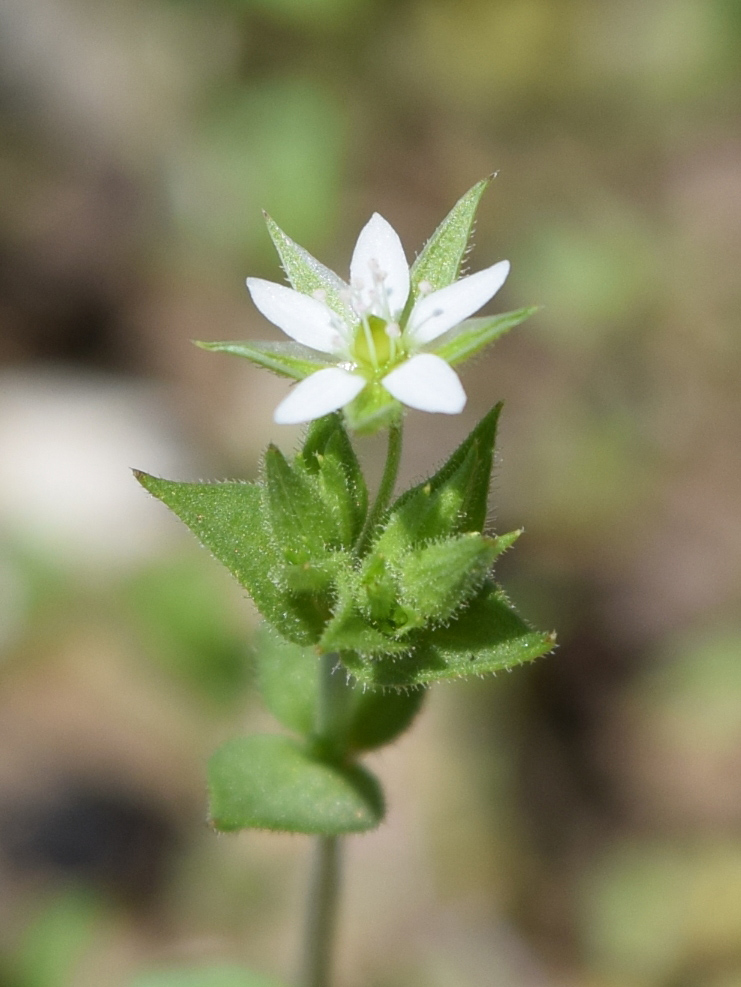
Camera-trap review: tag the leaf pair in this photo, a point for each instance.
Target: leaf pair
(307, 786)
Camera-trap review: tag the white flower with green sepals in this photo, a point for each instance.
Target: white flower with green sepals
(391, 335)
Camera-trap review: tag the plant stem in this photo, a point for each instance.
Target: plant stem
(322, 914)
(385, 489)
(321, 919)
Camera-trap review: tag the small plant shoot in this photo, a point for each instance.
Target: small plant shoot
(367, 601)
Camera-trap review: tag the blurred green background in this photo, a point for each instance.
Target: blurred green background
(576, 822)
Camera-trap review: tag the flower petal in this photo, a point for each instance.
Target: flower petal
(436, 313)
(426, 382)
(305, 319)
(379, 251)
(317, 395)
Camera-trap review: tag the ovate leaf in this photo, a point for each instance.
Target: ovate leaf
(380, 716)
(287, 676)
(228, 519)
(271, 782)
(474, 335)
(487, 636)
(286, 359)
(439, 263)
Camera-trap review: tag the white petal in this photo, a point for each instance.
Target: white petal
(305, 319)
(436, 313)
(317, 395)
(379, 249)
(428, 383)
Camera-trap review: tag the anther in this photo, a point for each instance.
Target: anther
(392, 330)
(424, 287)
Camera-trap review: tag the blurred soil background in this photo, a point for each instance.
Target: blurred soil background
(577, 822)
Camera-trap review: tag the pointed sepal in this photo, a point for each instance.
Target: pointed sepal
(474, 335)
(285, 359)
(308, 275)
(440, 261)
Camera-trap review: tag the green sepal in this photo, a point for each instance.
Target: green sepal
(223, 975)
(272, 782)
(453, 501)
(438, 579)
(487, 636)
(474, 335)
(328, 455)
(228, 518)
(440, 260)
(286, 359)
(381, 716)
(307, 274)
(372, 410)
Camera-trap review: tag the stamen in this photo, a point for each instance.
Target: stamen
(424, 287)
(392, 330)
(320, 294)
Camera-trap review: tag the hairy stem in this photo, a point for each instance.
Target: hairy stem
(321, 919)
(385, 489)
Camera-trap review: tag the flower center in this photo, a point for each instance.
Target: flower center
(376, 346)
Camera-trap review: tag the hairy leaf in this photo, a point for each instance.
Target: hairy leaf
(287, 676)
(271, 782)
(485, 637)
(228, 519)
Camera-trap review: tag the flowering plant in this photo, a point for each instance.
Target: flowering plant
(365, 606)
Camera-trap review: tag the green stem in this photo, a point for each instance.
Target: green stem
(386, 488)
(321, 920)
(322, 915)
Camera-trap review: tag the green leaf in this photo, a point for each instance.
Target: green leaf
(271, 782)
(204, 976)
(453, 501)
(485, 637)
(380, 717)
(350, 630)
(439, 263)
(473, 335)
(302, 526)
(228, 519)
(436, 580)
(287, 676)
(329, 456)
(308, 275)
(286, 359)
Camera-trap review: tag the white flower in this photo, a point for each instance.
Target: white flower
(373, 343)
